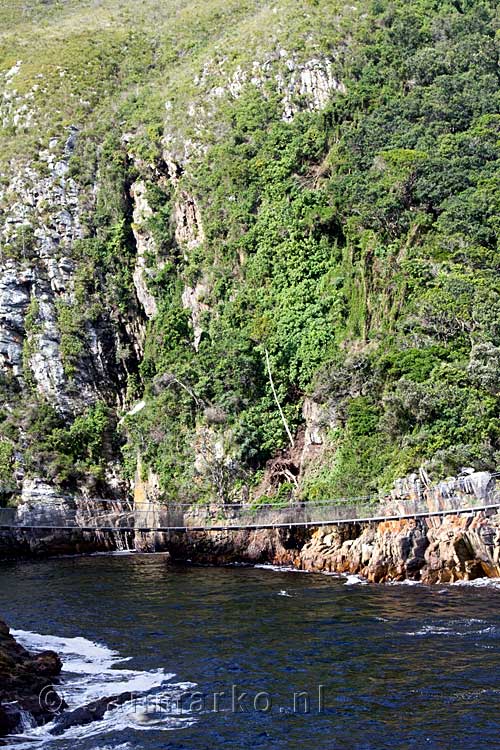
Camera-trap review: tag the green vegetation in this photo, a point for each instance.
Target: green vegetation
(369, 228)
(6, 466)
(357, 245)
(71, 346)
(68, 453)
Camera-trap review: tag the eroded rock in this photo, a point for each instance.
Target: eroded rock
(433, 550)
(23, 677)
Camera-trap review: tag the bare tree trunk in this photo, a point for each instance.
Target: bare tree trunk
(283, 419)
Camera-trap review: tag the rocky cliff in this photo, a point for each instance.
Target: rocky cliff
(432, 548)
(24, 679)
(247, 250)
(90, 223)
(42, 506)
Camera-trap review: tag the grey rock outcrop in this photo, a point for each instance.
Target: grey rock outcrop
(146, 248)
(57, 344)
(193, 300)
(15, 293)
(312, 82)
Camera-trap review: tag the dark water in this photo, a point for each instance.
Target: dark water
(401, 666)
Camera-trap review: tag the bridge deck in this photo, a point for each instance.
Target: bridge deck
(221, 526)
(471, 494)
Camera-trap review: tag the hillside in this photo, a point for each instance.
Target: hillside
(200, 202)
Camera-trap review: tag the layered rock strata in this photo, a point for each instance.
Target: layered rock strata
(431, 550)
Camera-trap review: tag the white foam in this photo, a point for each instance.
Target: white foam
(280, 568)
(406, 582)
(493, 583)
(354, 580)
(456, 628)
(283, 593)
(468, 695)
(130, 716)
(90, 672)
(93, 653)
(351, 579)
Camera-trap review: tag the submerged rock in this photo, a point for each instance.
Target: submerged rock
(87, 714)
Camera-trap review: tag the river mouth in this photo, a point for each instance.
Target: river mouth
(245, 657)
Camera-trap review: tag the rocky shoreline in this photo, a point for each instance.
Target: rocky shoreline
(431, 550)
(28, 697)
(25, 679)
(29, 545)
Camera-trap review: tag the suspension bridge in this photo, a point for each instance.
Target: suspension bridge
(475, 493)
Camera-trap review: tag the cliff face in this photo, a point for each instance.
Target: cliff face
(431, 550)
(197, 201)
(41, 505)
(43, 287)
(62, 352)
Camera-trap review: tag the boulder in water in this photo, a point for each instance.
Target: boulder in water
(87, 714)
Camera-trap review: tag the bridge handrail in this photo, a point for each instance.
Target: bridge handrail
(165, 519)
(119, 515)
